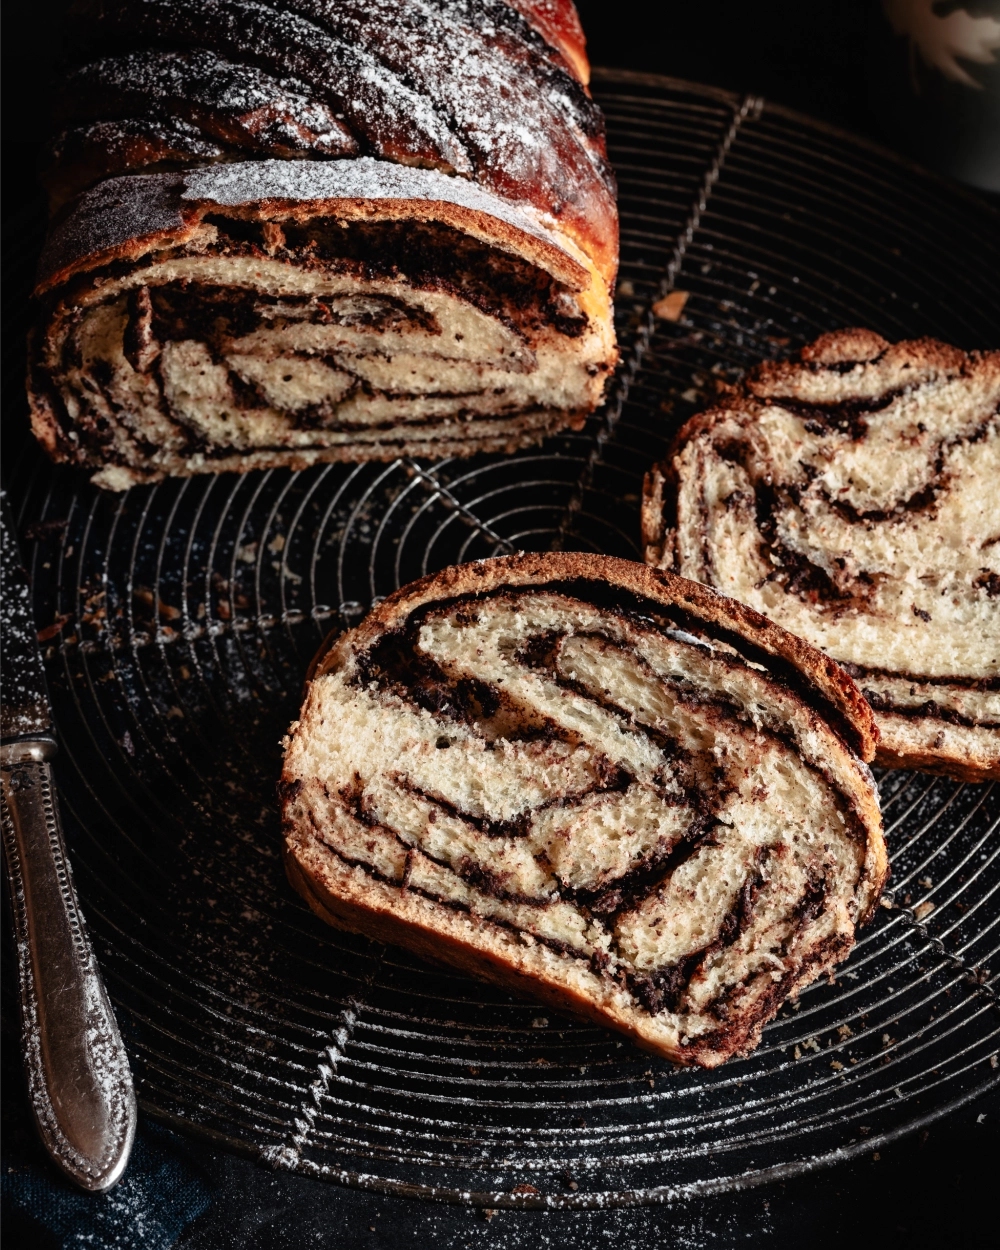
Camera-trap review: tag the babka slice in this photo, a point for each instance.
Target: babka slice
(602, 786)
(853, 496)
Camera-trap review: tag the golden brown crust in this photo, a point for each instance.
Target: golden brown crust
(853, 346)
(961, 760)
(384, 923)
(558, 23)
(127, 218)
(931, 762)
(854, 343)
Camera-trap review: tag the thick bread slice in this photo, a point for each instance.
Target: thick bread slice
(598, 785)
(852, 496)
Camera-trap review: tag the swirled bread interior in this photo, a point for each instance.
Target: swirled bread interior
(380, 311)
(587, 790)
(853, 498)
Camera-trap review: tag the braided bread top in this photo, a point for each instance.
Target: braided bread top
(488, 90)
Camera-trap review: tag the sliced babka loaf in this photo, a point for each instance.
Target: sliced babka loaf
(602, 786)
(853, 496)
(298, 231)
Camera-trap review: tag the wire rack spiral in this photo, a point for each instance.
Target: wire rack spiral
(179, 620)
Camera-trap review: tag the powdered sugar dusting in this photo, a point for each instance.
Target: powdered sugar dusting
(112, 214)
(137, 207)
(462, 87)
(237, 103)
(361, 179)
(116, 139)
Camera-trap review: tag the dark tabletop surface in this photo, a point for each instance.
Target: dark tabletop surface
(936, 1188)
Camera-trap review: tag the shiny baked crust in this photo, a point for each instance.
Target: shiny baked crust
(488, 90)
(598, 785)
(850, 495)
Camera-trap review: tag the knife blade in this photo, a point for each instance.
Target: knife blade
(79, 1080)
(24, 707)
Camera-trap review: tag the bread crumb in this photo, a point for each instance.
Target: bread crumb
(671, 306)
(923, 909)
(837, 1067)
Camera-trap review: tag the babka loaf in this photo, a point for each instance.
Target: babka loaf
(598, 785)
(310, 231)
(852, 497)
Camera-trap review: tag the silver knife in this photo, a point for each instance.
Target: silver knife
(78, 1075)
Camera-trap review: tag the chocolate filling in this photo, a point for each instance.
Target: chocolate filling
(394, 663)
(936, 711)
(846, 415)
(664, 989)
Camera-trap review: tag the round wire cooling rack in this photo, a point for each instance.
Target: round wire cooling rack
(178, 622)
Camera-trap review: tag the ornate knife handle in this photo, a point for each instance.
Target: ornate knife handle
(78, 1074)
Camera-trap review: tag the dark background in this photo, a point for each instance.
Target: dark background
(808, 54)
(936, 1188)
